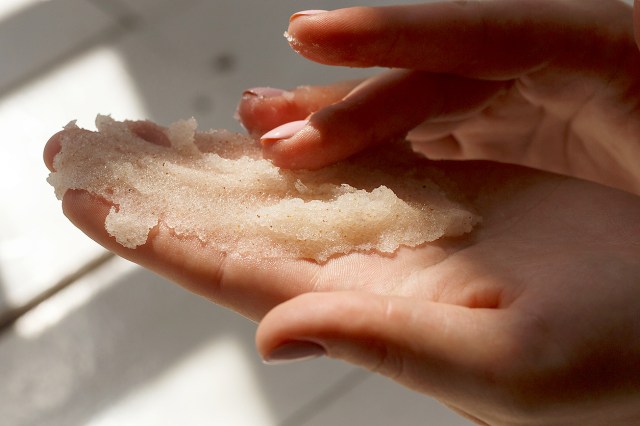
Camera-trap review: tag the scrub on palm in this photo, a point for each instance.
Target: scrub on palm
(216, 186)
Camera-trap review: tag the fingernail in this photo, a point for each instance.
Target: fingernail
(283, 132)
(264, 92)
(306, 13)
(293, 352)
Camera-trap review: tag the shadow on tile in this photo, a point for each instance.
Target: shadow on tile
(127, 335)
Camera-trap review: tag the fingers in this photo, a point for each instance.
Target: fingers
(262, 109)
(384, 108)
(497, 39)
(428, 346)
(51, 149)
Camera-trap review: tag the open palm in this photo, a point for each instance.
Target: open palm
(462, 319)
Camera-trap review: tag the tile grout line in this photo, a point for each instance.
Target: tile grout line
(348, 382)
(8, 318)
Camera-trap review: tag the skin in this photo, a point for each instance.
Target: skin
(531, 319)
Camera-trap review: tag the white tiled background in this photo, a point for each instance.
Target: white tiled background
(118, 345)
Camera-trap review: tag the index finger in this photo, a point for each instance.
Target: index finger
(495, 39)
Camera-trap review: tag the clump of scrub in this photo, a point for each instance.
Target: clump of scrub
(216, 186)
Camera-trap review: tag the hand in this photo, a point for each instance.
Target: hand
(533, 316)
(532, 319)
(543, 83)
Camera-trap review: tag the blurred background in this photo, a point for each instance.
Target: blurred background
(90, 339)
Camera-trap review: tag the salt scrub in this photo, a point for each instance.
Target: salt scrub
(217, 187)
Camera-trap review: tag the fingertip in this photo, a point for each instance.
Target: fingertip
(263, 92)
(264, 108)
(54, 144)
(306, 13)
(284, 131)
(307, 148)
(294, 320)
(343, 325)
(309, 31)
(347, 36)
(295, 351)
(51, 149)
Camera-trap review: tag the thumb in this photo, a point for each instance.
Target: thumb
(430, 347)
